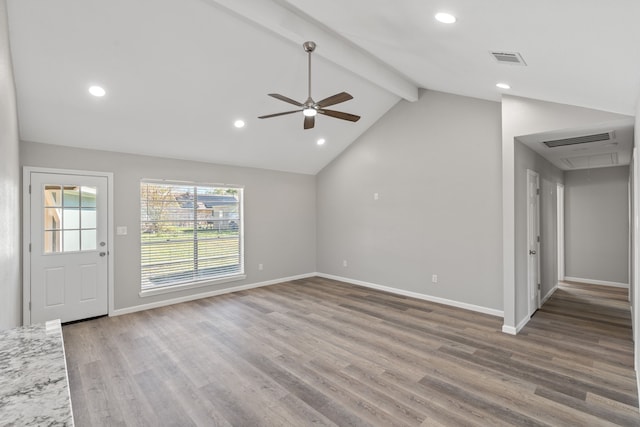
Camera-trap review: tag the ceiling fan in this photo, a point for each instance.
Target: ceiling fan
(310, 108)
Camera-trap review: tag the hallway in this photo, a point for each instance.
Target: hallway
(588, 329)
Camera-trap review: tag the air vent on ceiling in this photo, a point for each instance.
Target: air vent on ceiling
(578, 140)
(513, 58)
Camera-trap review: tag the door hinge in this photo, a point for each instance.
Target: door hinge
(538, 237)
(29, 188)
(29, 305)
(538, 191)
(538, 286)
(29, 247)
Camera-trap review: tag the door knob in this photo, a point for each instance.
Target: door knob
(532, 252)
(103, 253)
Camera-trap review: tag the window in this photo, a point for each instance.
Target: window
(69, 218)
(188, 234)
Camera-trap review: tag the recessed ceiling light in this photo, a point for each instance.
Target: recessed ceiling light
(503, 86)
(321, 141)
(445, 18)
(239, 124)
(97, 91)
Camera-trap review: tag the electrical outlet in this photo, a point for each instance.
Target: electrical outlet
(434, 278)
(260, 267)
(344, 263)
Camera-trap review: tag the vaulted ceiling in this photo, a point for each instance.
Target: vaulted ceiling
(179, 73)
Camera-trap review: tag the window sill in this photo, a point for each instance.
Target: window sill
(191, 285)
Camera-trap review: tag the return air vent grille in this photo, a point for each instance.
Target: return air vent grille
(513, 58)
(595, 161)
(578, 140)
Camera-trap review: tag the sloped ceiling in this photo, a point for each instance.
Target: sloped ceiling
(179, 73)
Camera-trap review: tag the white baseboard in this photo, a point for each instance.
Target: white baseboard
(514, 330)
(511, 330)
(638, 382)
(549, 294)
(458, 304)
(596, 282)
(163, 303)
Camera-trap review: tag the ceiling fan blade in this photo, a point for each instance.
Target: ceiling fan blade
(285, 99)
(309, 122)
(279, 114)
(340, 115)
(335, 99)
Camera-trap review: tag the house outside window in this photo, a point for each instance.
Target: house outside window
(190, 234)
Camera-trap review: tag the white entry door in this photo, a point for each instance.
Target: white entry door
(533, 240)
(68, 257)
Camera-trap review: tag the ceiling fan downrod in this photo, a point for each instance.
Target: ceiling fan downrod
(309, 47)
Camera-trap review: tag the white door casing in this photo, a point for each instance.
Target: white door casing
(533, 241)
(635, 304)
(560, 230)
(67, 268)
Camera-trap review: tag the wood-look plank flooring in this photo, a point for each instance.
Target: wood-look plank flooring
(321, 352)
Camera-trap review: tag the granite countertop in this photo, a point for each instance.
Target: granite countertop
(34, 389)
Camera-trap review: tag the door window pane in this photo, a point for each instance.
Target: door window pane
(52, 241)
(71, 197)
(88, 218)
(52, 218)
(71, 240)
(69, 218)
(88, 240)
(52, 195)
(88, 199)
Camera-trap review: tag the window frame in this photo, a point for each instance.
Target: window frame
(207, 281)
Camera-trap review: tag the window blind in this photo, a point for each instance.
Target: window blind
(189, 233)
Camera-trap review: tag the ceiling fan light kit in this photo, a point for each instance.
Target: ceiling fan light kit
(310, 108)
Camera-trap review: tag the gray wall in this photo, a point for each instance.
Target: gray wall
(550, 176)
(10, 284)
(280, 212)
(435, 164)
(597, 224)
(520, 117)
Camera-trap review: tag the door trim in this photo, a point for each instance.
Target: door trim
(533, 175)
(635, 280)
(560, 229)
(26, 234)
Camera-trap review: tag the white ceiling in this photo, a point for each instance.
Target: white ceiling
(178, 73)
(615, 151)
